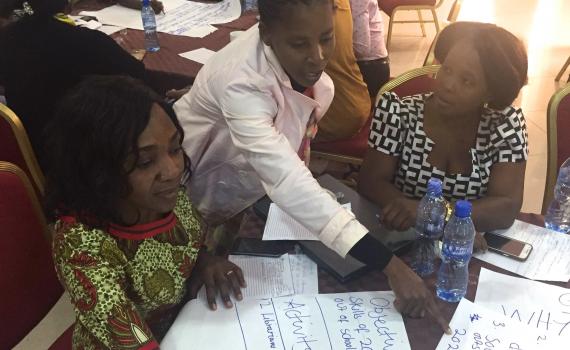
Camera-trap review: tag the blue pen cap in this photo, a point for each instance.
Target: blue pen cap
(463, 209)
(434, 186)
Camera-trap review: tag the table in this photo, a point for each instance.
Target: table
(167, 70)
(422, 333)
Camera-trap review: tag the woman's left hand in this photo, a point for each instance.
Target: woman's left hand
(217, 274)
(480, 244)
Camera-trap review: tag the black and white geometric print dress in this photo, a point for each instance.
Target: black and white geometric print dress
(398, 130)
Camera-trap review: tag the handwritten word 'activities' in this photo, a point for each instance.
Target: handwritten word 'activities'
(280, 226)
(548, 261)
(364, 320)
(541, 306)
(474, 327)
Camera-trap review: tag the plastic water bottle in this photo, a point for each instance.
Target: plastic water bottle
(149, 25)
(458, 238)
(249, 5)
(557, 216)
(430, 220)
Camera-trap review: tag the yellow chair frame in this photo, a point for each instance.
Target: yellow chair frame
(559, 75)
(452, 17)
(552, 140)
(420, 19)
(25, 146)
(404, 77)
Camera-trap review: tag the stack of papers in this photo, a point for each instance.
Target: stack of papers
(275, 277)
(280, 226)
(549, 259)
(181, 17)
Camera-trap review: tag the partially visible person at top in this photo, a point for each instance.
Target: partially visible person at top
(127, 246)
(156, 5)
(369, 44)
(350, 108)
(465, 133)
(248, 121)
(13, 10)
(43, 55)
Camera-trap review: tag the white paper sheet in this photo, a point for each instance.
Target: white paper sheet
(201, 55)
(541, 306)
(180, 16)
(475, 327)
(549, 259)
(265, 277)
(110, 29)
(365, 320)
(305, 274)
(200, 32)
(280, 226)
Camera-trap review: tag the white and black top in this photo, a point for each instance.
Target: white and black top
(398, 130)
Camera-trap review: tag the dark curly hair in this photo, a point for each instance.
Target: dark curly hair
(95, 128)
(271, 11)
(502, 55)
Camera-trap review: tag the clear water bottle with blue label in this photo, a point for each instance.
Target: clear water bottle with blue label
(557, 216)
(430, 220)
(149, 25)
(458, 238)
(249, 5)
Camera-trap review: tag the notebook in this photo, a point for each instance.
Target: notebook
(345, 269)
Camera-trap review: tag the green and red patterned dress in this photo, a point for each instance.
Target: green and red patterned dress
(127, 284)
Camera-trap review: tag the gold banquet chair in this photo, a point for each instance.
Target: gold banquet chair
(391, 7)
(15, 148)
(558, 124)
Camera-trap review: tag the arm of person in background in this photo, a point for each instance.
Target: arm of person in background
(156, 5)
(376, 182)
(361, 28)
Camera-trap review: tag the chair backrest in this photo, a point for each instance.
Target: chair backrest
(454, 11)
(558, 125)
(15, 147)
(29, 282)
(415, 81)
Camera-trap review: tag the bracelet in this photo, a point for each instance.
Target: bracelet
(449, 211)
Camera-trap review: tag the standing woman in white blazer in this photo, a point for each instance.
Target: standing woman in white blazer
(248, 121)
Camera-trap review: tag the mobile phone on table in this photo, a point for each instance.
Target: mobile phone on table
(509, 247)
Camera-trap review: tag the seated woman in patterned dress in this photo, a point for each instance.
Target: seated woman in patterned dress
(127, 246)
(465, 133)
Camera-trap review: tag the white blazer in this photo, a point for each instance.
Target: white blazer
(243, 126)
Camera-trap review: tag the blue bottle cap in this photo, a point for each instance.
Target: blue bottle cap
(463, 209)
(434, 186)
(146, 2)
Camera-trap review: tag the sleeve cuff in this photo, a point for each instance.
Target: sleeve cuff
(342, 232)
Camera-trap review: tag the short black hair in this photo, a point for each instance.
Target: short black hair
(95, 128)
(271, 11)
(502, 55)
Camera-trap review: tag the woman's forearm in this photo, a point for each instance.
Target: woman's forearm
(494, 213)
(378, 191)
